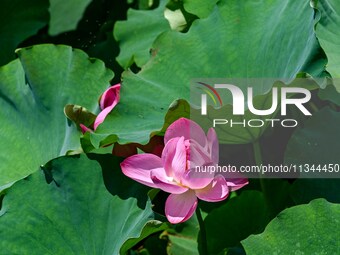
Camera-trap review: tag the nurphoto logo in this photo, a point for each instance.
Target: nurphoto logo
(242, 101)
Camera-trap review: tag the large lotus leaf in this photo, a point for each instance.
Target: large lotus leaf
(239, 39)
(303, 229)
(328, 33)
(65, 15)
(33, 92)
(73, 213)
(235, 220)
(138, 32)
(314, 145)
(20, 19)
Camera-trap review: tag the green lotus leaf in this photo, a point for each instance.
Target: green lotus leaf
(66, 209)
(302, 229)
(33, 93)
(261, 39)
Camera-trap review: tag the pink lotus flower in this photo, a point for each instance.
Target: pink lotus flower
(108, 101)
(186, 147)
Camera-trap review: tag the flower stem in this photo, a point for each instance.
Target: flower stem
(203, 234)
